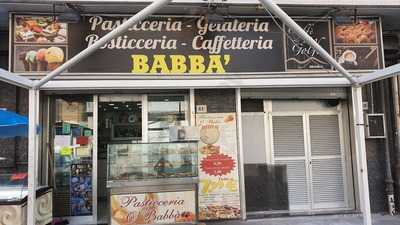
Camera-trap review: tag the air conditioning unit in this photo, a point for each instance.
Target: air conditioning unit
(375, 125)
(184, 133)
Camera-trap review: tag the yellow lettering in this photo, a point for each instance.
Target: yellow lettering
(215, 64)
(197, 64)
(231, 185)
(178, 64)
(140, 64)
(159, 64)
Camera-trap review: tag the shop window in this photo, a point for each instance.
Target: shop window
(164, 112)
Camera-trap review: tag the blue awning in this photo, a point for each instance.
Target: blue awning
(12, 124)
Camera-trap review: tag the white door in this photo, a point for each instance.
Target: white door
(310, 145)
(326, 152)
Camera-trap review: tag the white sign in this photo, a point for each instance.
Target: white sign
(153, 208)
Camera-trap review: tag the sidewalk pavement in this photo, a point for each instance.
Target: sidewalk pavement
(348, 219)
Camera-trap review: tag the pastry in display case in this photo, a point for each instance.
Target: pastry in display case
(146, 161)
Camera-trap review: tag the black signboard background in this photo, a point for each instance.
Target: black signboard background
(120, 61)
(300, 55)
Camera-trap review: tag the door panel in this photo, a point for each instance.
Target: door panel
(297, 183)
(327, 183)
(327, 164)
(288, 133)
(289, 150)
(310, 147)
(324, 135)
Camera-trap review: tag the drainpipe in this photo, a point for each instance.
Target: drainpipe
(388, 175)
(396, 106)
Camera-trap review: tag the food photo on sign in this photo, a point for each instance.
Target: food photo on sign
(153, 208)
(38, 58)
(39, 29)
(356, 45)
(219, 188)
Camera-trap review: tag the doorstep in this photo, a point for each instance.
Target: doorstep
(276, 214)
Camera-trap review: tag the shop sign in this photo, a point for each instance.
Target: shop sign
(153, 208)
(219, 196)
(301, 56)
(189, 45)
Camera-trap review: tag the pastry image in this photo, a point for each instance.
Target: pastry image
(31, 59)
(118, 213)
(42, 40)
(40, 59)
(54, 56)
(209, 134)
(59, 39)
(186, 217)
(229, 118)
(39, 29)
(213, 212)
(360, 33)
(210, 149)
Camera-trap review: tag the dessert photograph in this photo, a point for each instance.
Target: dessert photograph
(38, 58)
(363, 32)
(213, 212)
(358, 57)
(39, 29)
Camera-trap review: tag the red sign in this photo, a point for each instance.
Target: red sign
(217, 164)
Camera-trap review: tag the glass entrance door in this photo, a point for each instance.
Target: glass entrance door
(119, 121)
(72, 149)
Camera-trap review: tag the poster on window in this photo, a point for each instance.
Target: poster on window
(153, 208)
(81, 189)
(219, 196)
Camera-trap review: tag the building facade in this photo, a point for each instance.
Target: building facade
(273, 139)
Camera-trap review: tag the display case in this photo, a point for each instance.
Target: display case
(138, 163)
(14, 197)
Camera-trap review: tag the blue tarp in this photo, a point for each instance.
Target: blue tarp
(12, 124)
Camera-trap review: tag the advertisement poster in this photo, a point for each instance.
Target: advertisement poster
(357, 45)
(158, 45)
(81, 189)
(300, 55)
(153, 208)
(219, 196)
(187, 45)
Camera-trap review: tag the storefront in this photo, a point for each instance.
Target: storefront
(217, 119)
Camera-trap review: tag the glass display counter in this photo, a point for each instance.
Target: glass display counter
(14, 197)
(151, 162)
(153, 183)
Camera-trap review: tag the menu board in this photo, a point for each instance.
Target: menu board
(81, 189)
(153, 208)
(219, 196)
(357, 45)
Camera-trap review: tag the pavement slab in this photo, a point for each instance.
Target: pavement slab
(378, 219)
